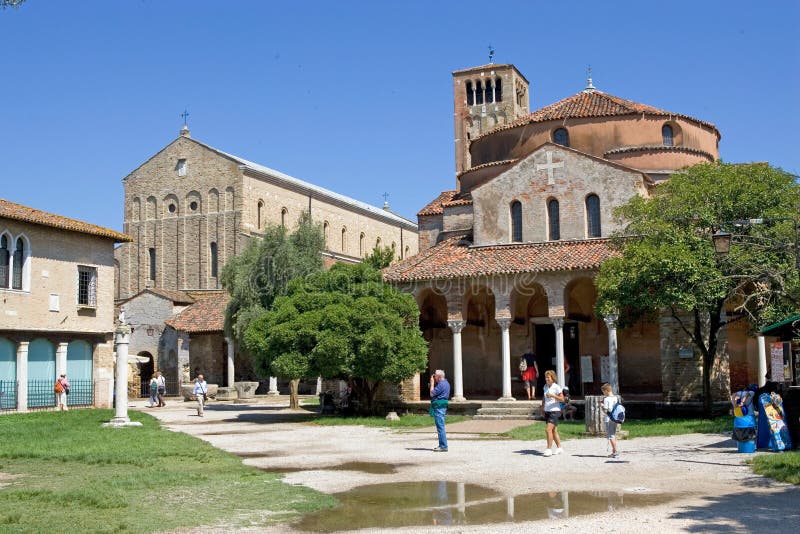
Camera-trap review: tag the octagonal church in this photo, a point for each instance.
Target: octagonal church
(508, 257)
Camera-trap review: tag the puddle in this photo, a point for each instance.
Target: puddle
(409, 504)
(258, 454)
(372, 468)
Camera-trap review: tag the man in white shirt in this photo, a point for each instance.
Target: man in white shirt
(161, 388)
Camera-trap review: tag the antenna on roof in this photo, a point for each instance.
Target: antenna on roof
(590, 88)
(491, 55)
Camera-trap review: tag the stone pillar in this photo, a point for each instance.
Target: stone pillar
(231, 368)
(458, 374)
(762, 361)
(273, 386)
(22, 376)
(510, 507)
(122, 338)
(558, 323)
(613, 370)
(505, 323)
(61, 359)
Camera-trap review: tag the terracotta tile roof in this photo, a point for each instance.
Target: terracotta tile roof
(591, 104)
(453, 259)
(18, 212)
(207, 314)
(434, 207)
(485, 165)
(462, 199)
(662, 148)
(177, 297)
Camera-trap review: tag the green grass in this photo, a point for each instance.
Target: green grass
(637, 428)
(784, 466)
(93, 479)
(406, 421)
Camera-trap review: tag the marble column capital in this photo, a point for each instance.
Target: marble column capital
(611, 320)
(558, 322)
(456, 325)
(504, 322)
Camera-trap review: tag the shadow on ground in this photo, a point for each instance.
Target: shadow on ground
(748, 511)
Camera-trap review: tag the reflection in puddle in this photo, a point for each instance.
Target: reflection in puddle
(261, 454)
(372, 468)
(409, 504)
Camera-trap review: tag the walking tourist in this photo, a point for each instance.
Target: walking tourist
(200, 391)
(529, 371)
(153, 391)
(553, 397)
(440, 392)
(161, 388)
(61, 390)
(609, 402)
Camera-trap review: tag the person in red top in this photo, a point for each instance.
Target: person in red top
(529, 374)
(61, 396)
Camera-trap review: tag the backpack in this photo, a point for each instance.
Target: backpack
(58, 387)
(523, 364)
(617, 413)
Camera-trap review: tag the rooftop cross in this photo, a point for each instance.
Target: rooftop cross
(590, 88)
(185, 115)
(491, 55)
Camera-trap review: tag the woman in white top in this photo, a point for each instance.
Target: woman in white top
(553, 397)
(609, 401)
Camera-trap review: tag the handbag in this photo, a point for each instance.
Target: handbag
(66, 390)
(523, 365)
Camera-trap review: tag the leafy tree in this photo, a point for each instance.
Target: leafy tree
(667, 262)
(380, 257)
(344, 323)
(10, 3)
(263, 270)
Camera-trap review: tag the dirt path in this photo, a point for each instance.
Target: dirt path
(699, 481)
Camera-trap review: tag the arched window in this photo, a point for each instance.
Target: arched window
(407, 251)
(516, 221)
(284, 213)
(561, 137)
(259, 213)
(666, 135)
(593, 216)
(554, 230)
(214, 259)
(19, 261)
(152, 255)
(470, 94)
(344, 239)
(378, 243)
(489, 94)
(498, 90)
(325, 228)
(478, 92)
(5, 262)
(361, 240)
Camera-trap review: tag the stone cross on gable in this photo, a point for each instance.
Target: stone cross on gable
(549, 166)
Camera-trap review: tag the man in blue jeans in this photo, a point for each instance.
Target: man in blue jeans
(440, 392)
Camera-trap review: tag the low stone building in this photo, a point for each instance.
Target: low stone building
(57, 311)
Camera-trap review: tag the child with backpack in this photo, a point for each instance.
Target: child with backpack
(615, 414)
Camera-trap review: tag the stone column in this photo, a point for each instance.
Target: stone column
(319, 386)
(613, 370)
(61, 359)
(505, 323)
(458, 374)
(558, 323)
(231, 368)
(510, 507)
(22, 376)
(762, 361)
(273, 386)
(122, 338)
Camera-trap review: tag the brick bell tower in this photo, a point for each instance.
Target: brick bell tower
(484, 98)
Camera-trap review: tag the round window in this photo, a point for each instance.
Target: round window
(193, 206)
(171, 208)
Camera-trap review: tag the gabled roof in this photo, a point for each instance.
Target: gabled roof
(296, 183)
(173, 295)
(591, 103)
(205, 315)
(453, 258)
(434, 207)
(18, 212)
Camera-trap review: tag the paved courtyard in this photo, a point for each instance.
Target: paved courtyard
(692, 483)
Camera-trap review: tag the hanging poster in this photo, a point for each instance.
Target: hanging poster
(605, 370)
(776, 359)
(587, 373)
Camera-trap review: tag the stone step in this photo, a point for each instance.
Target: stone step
(520, 404)
(506, 411)
(503, 417)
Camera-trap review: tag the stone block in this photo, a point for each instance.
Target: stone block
(246, 390)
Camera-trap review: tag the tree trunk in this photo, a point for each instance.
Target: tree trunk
(294, 399)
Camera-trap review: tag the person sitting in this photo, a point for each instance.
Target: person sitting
(567, 408)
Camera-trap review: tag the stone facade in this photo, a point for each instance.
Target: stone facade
(61, 317)
(190, 208)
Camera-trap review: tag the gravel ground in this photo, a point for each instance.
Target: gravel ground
(698, 482)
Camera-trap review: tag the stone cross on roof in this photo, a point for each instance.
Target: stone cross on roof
(549, 166)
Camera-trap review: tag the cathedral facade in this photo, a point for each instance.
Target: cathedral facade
(508, 256)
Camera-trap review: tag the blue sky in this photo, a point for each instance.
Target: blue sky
(357, 96)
